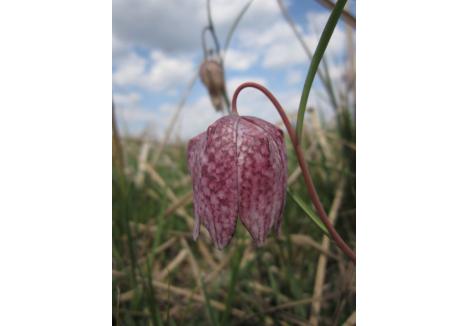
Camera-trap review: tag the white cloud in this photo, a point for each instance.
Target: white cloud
(294, 77)
(279, 47)
(315, 25)
(194, 118)
(337, 71)
(225, 11)
(197, 117)
(119, 48)
(129, 70)
(198, 114)
(131, 115)
(261, 36)
(260, 13)
(240, 60)
(233, 83)
(175, 26)
(126, 99)
(169, 31)
(252, 102)
(280, 55)
(276, 43)
(168, 72)
(159, 72)
(128, 110)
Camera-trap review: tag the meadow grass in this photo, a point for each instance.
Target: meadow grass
(161, 276)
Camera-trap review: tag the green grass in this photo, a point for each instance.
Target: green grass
(243, 285)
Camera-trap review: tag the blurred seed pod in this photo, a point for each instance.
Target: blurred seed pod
(212, 76)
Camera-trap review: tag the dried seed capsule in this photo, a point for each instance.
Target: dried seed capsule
(212, 76)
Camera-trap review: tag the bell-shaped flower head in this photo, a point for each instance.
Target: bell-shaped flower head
(239, 169)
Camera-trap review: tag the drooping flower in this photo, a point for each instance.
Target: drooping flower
(212, 75)
(239, 169)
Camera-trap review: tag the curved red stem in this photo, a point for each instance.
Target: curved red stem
(302, 163)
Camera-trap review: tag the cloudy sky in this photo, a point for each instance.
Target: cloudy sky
(157, 51)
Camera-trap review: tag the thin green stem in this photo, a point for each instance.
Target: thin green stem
(203, 38)
(234, 26)
(314, 63)
(347, 17)
(211, 26)
(323, 76)
(209, 308)
(308, 212)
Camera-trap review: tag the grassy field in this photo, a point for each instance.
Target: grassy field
(162, 277)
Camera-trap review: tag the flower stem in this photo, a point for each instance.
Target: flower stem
(302, 163)
(234, 26)
(211, 26)
(314, 63)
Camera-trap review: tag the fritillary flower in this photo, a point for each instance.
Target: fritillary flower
(239, 169)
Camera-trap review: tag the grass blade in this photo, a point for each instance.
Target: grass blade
(232, 283)
(234, 26)
(314, 63)
(308, 212)
(209, 308)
